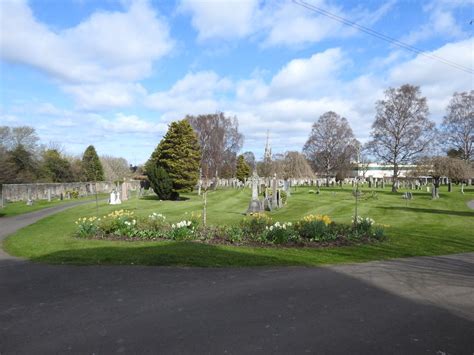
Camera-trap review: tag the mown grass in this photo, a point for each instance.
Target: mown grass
(418, 227)
(20, 207)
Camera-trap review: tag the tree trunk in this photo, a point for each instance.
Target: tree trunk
(395, 178)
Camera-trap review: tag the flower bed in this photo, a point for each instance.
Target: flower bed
(254, 230)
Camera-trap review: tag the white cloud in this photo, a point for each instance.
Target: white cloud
(97, 61)
(131, 124)
(107, 95)
(105, 46)
(276, 23)
(221, 19)
(290, 24)
(195, 93)
(441, 23)
(300, 77)
(304, 88)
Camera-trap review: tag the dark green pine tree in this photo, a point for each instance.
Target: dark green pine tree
(91, 167)
(179, 155)
(161, 183)
(242, 169)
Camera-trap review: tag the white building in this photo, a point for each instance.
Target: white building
(379, 171)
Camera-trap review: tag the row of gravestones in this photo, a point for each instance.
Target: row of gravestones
(270, 201)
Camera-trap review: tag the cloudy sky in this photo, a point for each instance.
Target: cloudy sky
(115, 73)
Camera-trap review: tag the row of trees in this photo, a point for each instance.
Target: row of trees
(24, 160)
(402, 133)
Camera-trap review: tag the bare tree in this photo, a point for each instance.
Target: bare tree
(458, 124)
(401, 130)
(437, 167)
(296, 166)
(115, 168)
(250, 159)
(331, 144)
(12, 137)
(220, 142)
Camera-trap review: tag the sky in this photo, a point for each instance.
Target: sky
(115, 73)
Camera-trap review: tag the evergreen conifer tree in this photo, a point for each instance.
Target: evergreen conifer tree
(91, 167)
(243, 169)
(179, 155)
(161, 183)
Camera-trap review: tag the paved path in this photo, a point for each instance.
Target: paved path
(9, 225)
(406, 306)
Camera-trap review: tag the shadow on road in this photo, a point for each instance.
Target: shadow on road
(172, 254)
(141, 309)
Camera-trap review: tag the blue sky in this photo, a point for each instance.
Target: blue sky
(115, 73)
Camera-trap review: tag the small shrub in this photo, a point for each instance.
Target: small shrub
(254, 225)
(363, 226)
(87, 227)
(234, 234)
(379, 233)
(314, 227)
(115, 221)
(154, 222)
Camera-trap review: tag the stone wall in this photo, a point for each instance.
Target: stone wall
(46, 191)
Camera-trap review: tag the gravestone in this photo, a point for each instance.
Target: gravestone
(124, 191)
(279, 199)
(255, 205)
(274, 192)
(450, 186)
(115, 198)
(49, 195)
(287, 187)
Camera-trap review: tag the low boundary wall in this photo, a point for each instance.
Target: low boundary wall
(48, 191)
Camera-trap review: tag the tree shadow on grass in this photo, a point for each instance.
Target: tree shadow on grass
(165, 254)
(429, 210)
(156, 198)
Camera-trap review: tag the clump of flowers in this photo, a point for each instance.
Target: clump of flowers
(279, 233)
(183, 230)
(182, 224)
(87, 227)
(156, 217)
(315, 227)
(317, 217)
(255, 224)
(365, 226)
(363, 220)
(114, 222)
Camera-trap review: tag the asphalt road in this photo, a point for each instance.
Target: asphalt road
(406, 306)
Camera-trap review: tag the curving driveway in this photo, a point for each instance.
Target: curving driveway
(406, 306)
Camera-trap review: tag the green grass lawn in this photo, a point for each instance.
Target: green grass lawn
(418, 227)
(20, 207)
